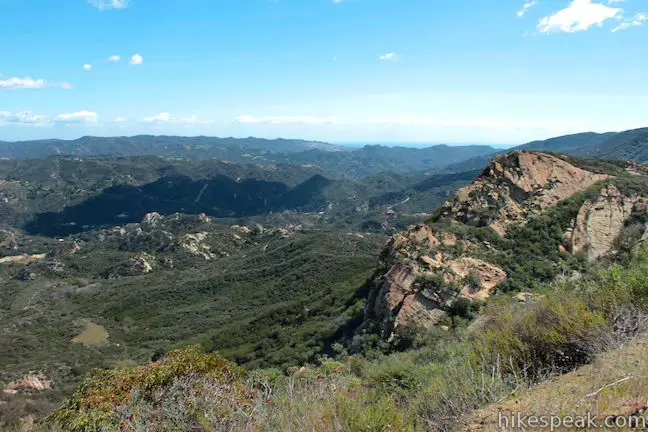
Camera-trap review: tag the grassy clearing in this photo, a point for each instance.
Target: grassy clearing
(93, 334)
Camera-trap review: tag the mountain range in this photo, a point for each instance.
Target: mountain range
(356, 163)
(352, 162)
(63, 195)
(627, 145)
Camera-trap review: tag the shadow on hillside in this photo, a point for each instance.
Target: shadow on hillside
(219, 196)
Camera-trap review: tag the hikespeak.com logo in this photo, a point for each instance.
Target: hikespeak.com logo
(521, 421)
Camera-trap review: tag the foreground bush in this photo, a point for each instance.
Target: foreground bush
(548, 335)
(169, 394)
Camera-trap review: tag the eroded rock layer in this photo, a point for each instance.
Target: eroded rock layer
(424, 270)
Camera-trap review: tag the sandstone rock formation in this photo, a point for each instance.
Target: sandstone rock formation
(152, 218)
(143, 263)
(424, 277)
(31, 382)
(599, 223)
(194, 244)
(425, 269)
(515, 185)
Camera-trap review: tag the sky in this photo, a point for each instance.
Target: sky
(353, 71)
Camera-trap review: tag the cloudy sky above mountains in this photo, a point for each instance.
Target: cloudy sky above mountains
(469, 71)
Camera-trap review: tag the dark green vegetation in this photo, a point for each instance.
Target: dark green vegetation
(277, 291)
(58, 184)
(267, 297)
(355, 163)
(63, 195)
(433, 387)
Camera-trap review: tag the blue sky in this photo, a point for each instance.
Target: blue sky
(427, 71)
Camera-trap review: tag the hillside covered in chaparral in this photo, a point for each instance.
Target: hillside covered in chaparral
(518, 286)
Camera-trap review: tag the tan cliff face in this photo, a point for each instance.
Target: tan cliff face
(425, 269)
(515, 185)
(599, 223)
(424, 276)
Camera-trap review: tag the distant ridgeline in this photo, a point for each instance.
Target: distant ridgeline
(63, 195)
(353, 162)
(357, 163)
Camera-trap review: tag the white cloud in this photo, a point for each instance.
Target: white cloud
(109, 4)
(580, 15)
(29, 83)
(114, 58)
(136, 59)
(77, 117)
(390, 56)
(528, 5)
(635, 21)
(337, 1)
(87, 66)
(23, 118)
(28, 118)
(158, 118)
(307, 120)
(167, 118)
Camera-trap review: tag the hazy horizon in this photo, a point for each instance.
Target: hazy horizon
(349, 144)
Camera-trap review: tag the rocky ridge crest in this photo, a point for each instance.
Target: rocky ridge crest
(428, 268)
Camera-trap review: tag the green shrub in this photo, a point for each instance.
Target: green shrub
(381, 415)
(462, 307)
(96, 403)
(406, 337)
(394, 377)
(554, 333)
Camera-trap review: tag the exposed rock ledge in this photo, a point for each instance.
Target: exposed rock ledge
(515, 185)
(423, 271)
(402, 296)
(599, 224)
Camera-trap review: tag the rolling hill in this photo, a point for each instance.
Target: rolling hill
(63, 195)
(355, 163)
(627, 145)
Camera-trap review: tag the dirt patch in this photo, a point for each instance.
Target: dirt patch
(93, 334)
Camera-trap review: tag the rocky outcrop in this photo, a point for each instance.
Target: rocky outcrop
(143, 263)
(425, 269)
(194, 244)
(31, 382)
(599, 223)
(423, 276)
(22, 259)
(487, 275)
(138, 265)
(152, 218)
(516, 185)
